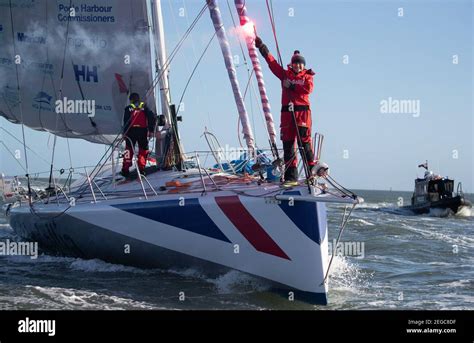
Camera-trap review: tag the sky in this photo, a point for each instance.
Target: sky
(365, 54)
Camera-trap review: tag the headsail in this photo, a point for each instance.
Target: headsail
(107, 55)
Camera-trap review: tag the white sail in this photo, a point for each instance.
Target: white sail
(106, 54)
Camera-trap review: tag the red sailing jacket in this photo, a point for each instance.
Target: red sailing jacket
(303, 82)
(138, 116)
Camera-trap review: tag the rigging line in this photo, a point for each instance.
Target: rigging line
(19, 141)
(167, 63)
(204, 86)
(15, 119)
(345, 220)
(250, 73)
(60, 97)
(69, 152)
(14, 157)
(44, 74)
(177, 31)
(256, 98)
(348, 192)
(186, 60)
(61, 88)
(21, 106)
(251, 85)
(187, 65)
(173, 53)
(238, 37)
(59, 115)
(118, 138)
(272, 21)
(194, 70)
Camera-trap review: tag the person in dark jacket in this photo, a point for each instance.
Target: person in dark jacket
(297, 85)
(138, 124)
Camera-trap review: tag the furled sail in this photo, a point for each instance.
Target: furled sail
(88, 56)
(228, 60)
(250, 40)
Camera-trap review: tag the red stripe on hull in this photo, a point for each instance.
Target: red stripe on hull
(248, 226)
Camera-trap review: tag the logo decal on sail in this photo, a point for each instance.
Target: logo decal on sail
(43, 98)
(24, 37)
(122, 86)
(86, 73)
(42, 102)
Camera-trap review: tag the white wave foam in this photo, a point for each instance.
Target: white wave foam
(440, 212)
(41, 259)
(230, 282)
(434, 234)
(457, 284)
(237, 281)
(189, 273)
(377, 205)
(464, 211)
(96, 265)
(69, 298)
(362, 221)
(345, 275)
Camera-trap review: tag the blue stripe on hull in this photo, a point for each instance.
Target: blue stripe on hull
(70, 236)
(304, 215)
(190, 217)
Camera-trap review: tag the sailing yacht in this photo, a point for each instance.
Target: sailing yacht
(180, 213)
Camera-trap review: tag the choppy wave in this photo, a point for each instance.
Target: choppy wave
(409, 263)
(465, 211)
(100, 266)
(69, 298)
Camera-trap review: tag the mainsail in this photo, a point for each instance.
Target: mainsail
(97, 50)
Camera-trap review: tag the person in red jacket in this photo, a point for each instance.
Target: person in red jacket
(297, 85)
(138, 123)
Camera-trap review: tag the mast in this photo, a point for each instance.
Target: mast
(159, 37)
(229, 63)
(250, 39)
(168, 146)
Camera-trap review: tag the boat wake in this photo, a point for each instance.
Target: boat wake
(347, 276)
(465, 211)
(231, 282)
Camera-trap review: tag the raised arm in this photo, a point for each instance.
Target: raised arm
(275, 67)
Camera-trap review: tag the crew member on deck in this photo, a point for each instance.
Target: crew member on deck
(297, 85)
(138, 124)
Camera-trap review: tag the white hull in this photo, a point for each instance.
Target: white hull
(240, 228)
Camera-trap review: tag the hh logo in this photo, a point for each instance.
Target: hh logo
(86, 73)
